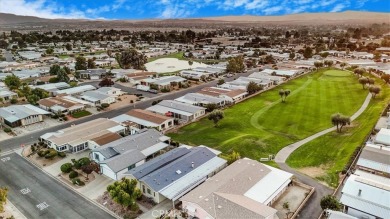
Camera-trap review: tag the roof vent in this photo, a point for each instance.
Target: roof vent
(249, 178)
(178, 171)
(206, 199)
(360, 192)
(192, 165)
(219, 206)
(200, 196)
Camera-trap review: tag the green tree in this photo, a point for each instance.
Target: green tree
(211, 107)
(330, 202)
(359, 71)
(328, 63)
(292, 55)
(308, 52)
(220, 82)
(252, 87)
(284, 94)
(377, 55)
(49, 51)
(232, 157)
(91, 64)
(216, 116)
(12, 82)
(363, 81)
(67, 70)
(68, 46)
(3, 197)
(235, 65)
(81, 63)
(374, 90)
(125, 192)
(62, 76)
(342, 65)
(340, 121)
(386, 78)
(131, 59)
(54, 69)
(318, 64)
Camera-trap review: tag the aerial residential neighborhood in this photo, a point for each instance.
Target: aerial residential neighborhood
(195, 109)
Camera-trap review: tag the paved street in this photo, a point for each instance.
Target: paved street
(14, 143)
(37, 195)
(130, 90)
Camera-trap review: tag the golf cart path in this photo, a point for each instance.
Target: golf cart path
(283, 154)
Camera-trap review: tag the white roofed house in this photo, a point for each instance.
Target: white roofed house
(165, 82)
(230, 96)
(111, 91)
(244, 189)
(76, 90)
(21, 115)
(282, 73)
(77, 138)
(262, 76)
(383, 137)
(201, 99)
(60, 104)
(182, 111)
(7, 95)
(146, 119)
(124, 154)
(97, 98)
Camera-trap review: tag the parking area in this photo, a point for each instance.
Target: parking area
(37, 195)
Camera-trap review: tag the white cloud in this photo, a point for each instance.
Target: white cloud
(338, 7)
(38, 8)
(272, 10)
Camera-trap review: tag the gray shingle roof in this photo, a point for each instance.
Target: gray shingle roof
(145, 139)
(16, 112)
(124, 160)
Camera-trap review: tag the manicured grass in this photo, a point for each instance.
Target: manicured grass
(178, 55)
(262, 125)
(63, 56)
(333, 150)
(80, 114)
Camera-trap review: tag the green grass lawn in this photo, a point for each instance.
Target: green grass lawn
(332, 151)
(81, 113)
(262, 125)
(177, 55)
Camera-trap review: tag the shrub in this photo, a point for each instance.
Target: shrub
(73, 174)
(14, 100)
(51, 153)
(81, 162)
(55, 116)
(7, 130)
(104, 105)
(43, 153)
(61, 154)
(66, 167)
(65, 118)
(165, 90)
(77, 181)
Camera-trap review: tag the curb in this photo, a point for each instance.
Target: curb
(77, 192)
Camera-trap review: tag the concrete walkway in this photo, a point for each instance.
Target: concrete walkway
(312, 208)
(283, 154)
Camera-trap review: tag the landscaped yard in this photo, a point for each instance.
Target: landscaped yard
(262, 125)
(324, 157)
(81, 113)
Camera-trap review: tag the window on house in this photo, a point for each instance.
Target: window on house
(97, 157)
(149, 192)
(131, 167)
(143, 188)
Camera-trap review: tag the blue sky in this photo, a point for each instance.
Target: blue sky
(142, 9)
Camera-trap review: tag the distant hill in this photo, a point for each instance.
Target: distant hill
(347, 16)
(11, 21)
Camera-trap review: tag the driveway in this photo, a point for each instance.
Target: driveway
(37, 195)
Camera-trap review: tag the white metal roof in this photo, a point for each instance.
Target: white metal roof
(383, 136)
(163, 110)
(267, 188)
(373, 200)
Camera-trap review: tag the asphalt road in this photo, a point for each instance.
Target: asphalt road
(37, 195)
(16, 142)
